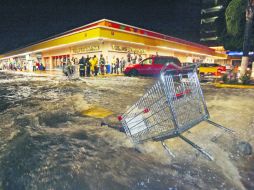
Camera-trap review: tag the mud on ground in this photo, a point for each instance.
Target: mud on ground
(47, 143)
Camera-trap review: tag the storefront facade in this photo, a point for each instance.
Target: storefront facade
(112, 39)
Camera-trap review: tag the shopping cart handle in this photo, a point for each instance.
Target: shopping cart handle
(164, 68)
(120, 118)
(177, 68)
(146, 110)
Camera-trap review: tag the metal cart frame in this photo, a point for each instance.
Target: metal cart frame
(173, 105)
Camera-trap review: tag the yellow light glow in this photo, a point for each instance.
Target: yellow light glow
(50, 48)
(191, 52)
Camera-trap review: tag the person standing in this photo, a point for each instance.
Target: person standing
(82, 67)
(71, 67)
(140, 58)
(95, 62)
(91, 61)
(88, 66)
(107, 65)
(37, 65)
(122, 64)
(128, 57)
(102, 64)
(117, 66)
(134, 58)
(75, 64)
(113, 64)
(73, 61)
(34, 66)
(41, 67)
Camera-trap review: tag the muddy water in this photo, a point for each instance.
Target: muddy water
(46, 143)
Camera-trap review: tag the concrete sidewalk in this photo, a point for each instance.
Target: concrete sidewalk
(55, 73)
(35, 73)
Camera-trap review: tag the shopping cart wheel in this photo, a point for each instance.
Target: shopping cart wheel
(133, 73)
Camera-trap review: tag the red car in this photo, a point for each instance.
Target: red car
(152, 66)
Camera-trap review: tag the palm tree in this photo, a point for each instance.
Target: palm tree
(249, 13)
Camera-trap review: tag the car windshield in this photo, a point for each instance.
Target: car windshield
(165, 60)
(147, 61)
(209, 65)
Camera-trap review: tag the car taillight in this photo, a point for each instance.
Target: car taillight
(222, 68)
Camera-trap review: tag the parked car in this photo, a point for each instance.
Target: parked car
(152, 66)
(212, 69)
(189, 64)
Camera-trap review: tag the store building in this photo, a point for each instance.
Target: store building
(111, 39)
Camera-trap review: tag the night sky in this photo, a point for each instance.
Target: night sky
(24, 22)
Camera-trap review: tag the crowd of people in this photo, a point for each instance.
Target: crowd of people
(21, 66)
(86, 66)
(92, 66)
(38, 66)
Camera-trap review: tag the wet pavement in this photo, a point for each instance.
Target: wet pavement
(46, 142)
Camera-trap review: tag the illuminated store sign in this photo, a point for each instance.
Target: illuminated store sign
(236, 53)
(86, 49)
(126, 49)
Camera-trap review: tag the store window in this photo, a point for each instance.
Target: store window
(59, 61)
(236, 62)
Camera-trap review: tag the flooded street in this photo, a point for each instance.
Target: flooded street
(48, 142)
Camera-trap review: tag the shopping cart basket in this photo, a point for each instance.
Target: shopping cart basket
(174, 104)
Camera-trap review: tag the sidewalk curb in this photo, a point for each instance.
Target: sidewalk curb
(104, 76)
(234, 86)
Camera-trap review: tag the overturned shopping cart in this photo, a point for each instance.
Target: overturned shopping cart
(174, 104)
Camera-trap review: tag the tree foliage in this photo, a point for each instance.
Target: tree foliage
(232, 38)
(233, 43)
(235, 17)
